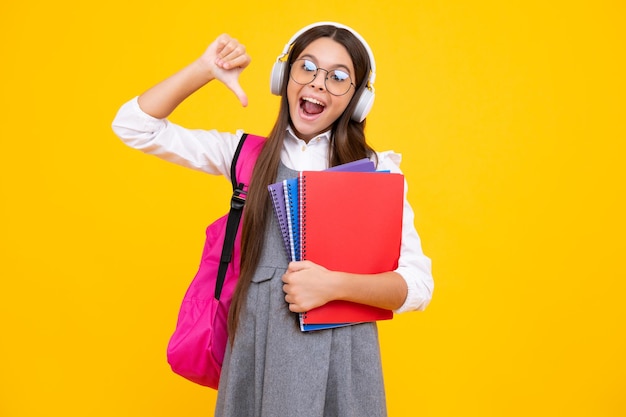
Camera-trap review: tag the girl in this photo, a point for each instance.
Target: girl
(271, 368)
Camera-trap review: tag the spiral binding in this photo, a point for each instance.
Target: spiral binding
(302, 195)
(303, 217)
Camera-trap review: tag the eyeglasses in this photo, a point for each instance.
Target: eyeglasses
(337, 82)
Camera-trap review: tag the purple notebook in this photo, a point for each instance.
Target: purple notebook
(277, 194)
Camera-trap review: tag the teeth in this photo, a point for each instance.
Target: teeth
(312, 100)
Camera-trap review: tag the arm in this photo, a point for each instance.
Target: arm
(308, 285)
(223, 60)
(141, 123)
(408, 288)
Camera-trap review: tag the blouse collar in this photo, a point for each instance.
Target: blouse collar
(291, 135)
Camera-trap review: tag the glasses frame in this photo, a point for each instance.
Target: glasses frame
(317, 69)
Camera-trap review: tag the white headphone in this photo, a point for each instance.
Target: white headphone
(366, 100)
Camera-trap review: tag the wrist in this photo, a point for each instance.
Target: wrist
(337, 286)
(202, 71)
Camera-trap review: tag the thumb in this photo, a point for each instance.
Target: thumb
(295, 266)
(233, 85)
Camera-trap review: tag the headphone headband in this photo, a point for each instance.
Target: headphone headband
(372, 76)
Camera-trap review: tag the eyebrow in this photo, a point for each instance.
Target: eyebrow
(309, 56)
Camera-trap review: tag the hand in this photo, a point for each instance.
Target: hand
(307, 285)
(227, 58)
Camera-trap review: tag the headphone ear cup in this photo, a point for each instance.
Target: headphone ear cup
(364, 105)
(276, 79)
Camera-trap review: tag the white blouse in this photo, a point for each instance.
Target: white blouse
(211, 152)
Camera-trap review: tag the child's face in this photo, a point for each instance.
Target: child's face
(312, 109)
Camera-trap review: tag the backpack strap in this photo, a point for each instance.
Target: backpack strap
(241, 168)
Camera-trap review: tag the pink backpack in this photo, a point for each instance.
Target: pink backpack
(197, 346)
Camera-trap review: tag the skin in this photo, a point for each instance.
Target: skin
(330, 55)
(224, 60)
(306, 284)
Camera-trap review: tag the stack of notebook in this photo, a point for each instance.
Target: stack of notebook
(347, 218)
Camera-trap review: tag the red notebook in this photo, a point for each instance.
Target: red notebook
(351, 222)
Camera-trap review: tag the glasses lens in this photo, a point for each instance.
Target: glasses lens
(303, 71)
(337, 82)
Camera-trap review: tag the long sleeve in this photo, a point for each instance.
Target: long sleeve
(208, 151)
(413, 265)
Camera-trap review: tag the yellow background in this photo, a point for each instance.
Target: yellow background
(510, 117)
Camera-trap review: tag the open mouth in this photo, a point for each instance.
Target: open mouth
(310, 106)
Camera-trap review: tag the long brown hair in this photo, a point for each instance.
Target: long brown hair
(347, 144)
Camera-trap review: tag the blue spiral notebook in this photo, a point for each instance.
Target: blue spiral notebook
(293, 216)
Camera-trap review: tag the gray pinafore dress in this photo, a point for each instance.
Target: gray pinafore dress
(276, 370)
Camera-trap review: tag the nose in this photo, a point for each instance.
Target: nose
(319, 81)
